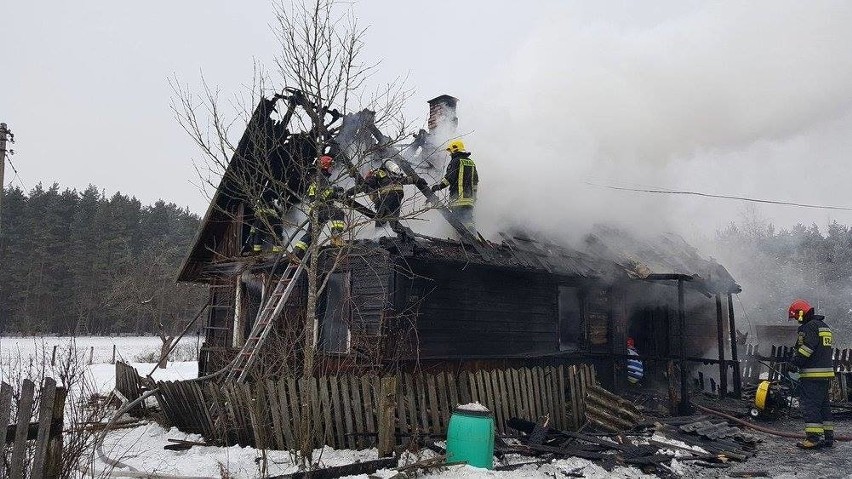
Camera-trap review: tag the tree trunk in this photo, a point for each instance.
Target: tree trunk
(164, 351)
(312, 256)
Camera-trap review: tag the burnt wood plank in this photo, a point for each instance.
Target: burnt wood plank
(348, 411)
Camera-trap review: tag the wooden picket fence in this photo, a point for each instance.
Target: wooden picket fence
(32, 449)
(346, 410)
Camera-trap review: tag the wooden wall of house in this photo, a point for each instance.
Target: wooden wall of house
(474, 311)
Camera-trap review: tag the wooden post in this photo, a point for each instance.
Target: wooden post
(113, 354)
(387, 416)
(45, 418)
(673, 400)
(53, 464)
(25, 405)
(4, 135)
(738, 385)
(720, 336)
(53, 356)
(685, 407)
(91, 355)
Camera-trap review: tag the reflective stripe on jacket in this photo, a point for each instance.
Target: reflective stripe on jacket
(813, 350)
(462, 178)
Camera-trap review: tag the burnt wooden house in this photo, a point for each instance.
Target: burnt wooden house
(444, 304)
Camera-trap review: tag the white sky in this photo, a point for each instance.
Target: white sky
(748, 99)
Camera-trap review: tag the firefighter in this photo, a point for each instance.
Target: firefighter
(812, 357)
(385, 187)
(267, 227)
(463, 180)
(321, 194)
(635, 368)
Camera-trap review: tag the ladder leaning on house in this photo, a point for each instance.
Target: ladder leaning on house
(273, 306)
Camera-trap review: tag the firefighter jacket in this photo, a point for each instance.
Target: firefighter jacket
(462, 178)
(812, 353)
(381, 182)
(322, 191)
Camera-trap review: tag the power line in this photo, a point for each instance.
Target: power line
(15, 170)
(711, 195)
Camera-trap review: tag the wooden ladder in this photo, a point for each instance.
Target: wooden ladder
(263, 324)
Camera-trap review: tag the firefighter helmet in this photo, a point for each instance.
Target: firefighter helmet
(325, 162)
(799, 309)
(455, 146)
(393, 168)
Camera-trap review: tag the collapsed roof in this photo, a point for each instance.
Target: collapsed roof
(608, 253)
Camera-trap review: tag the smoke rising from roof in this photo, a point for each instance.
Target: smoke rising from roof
(741, 98)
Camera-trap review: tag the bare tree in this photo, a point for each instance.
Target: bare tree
(318, 96)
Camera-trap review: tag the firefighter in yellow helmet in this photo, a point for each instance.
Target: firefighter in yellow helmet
(812, 355)
(321, 194)
(463, 180)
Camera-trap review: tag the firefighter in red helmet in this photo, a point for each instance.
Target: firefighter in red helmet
(812, 356)
(321, 194)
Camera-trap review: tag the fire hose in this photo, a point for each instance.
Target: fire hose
(774, 432)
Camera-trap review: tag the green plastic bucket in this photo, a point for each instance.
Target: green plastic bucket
(470, 437)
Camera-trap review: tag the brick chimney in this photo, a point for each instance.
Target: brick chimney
(442, 113)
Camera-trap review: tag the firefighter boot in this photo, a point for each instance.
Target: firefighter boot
(811, 442)
(829, 438)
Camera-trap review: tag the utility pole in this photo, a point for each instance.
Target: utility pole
(4, 132)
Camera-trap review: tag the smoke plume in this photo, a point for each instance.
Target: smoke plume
(723, 97)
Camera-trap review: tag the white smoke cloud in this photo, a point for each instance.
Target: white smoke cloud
(724, 97)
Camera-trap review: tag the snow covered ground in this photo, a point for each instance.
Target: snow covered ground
(140, 450)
